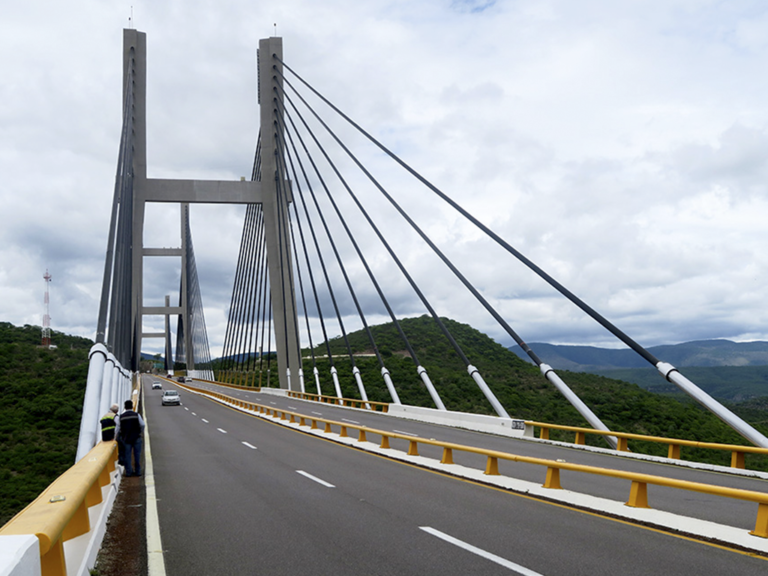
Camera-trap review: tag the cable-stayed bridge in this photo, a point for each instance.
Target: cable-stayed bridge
(234, 493)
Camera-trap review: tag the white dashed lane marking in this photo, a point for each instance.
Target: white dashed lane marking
(522, 570)
(315, 479)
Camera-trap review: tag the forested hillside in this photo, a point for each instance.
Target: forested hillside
(42, 397)
(519, 386)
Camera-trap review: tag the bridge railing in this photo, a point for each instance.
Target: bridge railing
(323, 399)
(349, 402)
(61, 514)
(638, 496)
(675, 444)
(738, 452)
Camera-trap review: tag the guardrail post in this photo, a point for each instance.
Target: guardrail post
(447, 456)
(737, 459)
(543, 433)
(79, 524)
(343, 433)
(638, 495)
(674, 452)
(94, 493)
(492, 466)
(581, 438)
(361, 436)
(314, 424)
(413, 448)
(53, 563)
(553, 479)
(621, 445)
(384, 441)
(328, 428)
(761, 526)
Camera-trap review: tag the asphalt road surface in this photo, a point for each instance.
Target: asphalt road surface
(239, 495)
(712, 508)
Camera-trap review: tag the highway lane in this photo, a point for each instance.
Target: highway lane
(232, 501)
(716, 509)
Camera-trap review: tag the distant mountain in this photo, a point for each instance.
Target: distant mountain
(705, 353)
(730, 371)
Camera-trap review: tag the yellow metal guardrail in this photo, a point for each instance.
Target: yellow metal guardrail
(738, 452)
(350, 402)
(638, 494)
(60, 513)
(675, 444)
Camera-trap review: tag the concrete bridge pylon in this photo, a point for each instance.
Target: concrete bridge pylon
(184, 192)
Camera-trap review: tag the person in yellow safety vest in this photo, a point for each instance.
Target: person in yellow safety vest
(108, 423)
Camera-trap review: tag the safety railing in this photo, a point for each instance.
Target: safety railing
(60, 513)
(349, 402)
(235, 386)
(738, 452)
(638, 494)
(675, 444)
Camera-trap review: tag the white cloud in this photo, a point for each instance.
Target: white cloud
(621, 146)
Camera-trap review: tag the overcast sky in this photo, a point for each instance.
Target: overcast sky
(622, 146)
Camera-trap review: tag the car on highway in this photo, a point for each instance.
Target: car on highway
(171, 397)
(157, 385)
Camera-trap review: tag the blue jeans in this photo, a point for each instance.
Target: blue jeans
(133, 450)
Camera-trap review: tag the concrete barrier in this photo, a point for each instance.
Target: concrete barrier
(19, 555)
(477, 422)
(61, 531)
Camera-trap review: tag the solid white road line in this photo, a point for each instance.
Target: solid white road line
(222, 431)
(155, 559)
(316, 479)
(487, 555)
(251, 446)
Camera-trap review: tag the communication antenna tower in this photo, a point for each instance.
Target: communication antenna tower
(47, 316)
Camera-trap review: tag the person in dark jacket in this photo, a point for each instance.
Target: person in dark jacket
(130, 427)
(108, 423)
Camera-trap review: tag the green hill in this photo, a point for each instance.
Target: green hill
(728, 383)
(42, 396)
(521, 388)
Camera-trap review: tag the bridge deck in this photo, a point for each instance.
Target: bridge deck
(232, 500)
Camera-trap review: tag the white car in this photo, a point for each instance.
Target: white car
(157, 385)
(171, 397)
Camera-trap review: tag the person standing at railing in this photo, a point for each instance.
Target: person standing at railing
(108, 424)
(129, 428)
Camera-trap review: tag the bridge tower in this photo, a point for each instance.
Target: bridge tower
(186, 192)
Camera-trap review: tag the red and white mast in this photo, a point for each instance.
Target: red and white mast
(46, 315)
